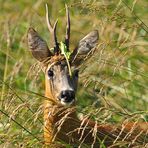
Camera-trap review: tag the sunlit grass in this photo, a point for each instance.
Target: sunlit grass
(113, 83)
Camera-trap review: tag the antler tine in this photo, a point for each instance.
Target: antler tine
(52, 30)
(67, 37)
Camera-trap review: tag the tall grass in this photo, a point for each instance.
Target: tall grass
(113, 83)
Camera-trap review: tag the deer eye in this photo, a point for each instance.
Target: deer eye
(50, 73)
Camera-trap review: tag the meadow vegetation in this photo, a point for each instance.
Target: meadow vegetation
(113, 83)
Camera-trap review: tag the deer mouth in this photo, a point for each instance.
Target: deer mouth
(63, 102)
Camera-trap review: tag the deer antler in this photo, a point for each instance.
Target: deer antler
(52, 31)
(67, 37)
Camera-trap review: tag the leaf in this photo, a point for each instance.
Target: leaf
(66, 54)
(64, 50)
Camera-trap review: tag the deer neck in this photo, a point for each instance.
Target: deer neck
(57, 118)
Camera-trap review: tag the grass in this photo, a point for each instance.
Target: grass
(113, 83)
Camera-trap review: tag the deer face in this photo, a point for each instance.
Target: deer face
(61, 84)
(61, 74)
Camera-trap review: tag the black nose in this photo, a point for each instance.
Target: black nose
(67, 95)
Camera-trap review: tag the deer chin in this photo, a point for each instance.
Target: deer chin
(64, 103)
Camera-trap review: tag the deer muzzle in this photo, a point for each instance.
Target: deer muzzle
(67, 97)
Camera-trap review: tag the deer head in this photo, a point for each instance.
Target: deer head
(61, 72)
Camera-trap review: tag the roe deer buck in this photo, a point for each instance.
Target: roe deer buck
(61, 77)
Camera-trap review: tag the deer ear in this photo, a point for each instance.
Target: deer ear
(37, 45)
(84, 46)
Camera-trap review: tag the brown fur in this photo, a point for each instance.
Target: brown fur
(62, 124)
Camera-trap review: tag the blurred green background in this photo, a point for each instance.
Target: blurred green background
(113, 83)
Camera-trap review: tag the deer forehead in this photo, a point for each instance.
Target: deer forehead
(58, 65)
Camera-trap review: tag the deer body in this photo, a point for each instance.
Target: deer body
(61, 76)
(72, 132)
